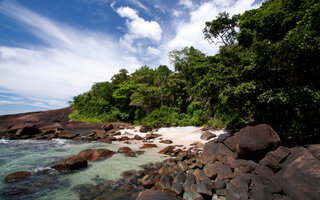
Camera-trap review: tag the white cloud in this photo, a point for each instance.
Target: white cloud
(138, 28)
(186, 3)
(70, 63)
(176, 13)
(189, 33)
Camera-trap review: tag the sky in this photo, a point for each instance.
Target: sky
(53, 50)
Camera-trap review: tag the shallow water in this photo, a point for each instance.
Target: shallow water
(38, 156)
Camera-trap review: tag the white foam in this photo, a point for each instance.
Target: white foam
(4, 141)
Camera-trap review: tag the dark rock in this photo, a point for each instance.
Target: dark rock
(166, 181)
(300, 175)
(180, 177)
(124, 150)
(99, 154)
(146, 146)
(211, 150)
(107, 127)
(70, 163)
(67, 135)
(177, 187)
(218, 169)
(200, 175)
(106, 140)
(239, 192)
(207, 135)
(154, 195)
(166, 141)
(98, 133)
(164, 170)
(230, 142)
(137, 137)
(86, 154)
(204, 188)
(140, 152)
(183, 166)
(221, 192)
(260, 192)
(274, 158)
(167, 150)
(219, 184)
(144, 129)
(152, 136)
(190, 179)
(149, 179)
(26, 130)
(192, 196)
(117, 133)
(256, 140)
(16, 176)
(315, 150)
(130, 154)
(263, 171)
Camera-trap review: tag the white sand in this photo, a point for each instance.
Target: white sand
(179, 135)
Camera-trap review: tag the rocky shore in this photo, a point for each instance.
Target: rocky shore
(245, 164)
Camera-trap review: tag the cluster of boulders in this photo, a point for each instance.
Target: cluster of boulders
(249, 164)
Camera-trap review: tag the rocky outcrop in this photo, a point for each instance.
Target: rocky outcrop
(16, 176)
(67, 135)
(70, 163)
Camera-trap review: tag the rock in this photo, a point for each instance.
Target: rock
(177, 187)
(149, 179)
(190, 179)
(137, 137)
(167, 150)
(219, 184)
(86, 154)
(130, 154)
(218, 169)
(146, 146)
(192, 196)
(67, 135)
(124, 150)
(221, 192)
(152, 136)
(254, 140)
(166, 141)
(260, 192)
(117, 133)
(179, 177)
(98, 133)
(166, 181)
(183, 166)
(55, 126)
(16, 176)
(230, 142)
(204, 188)
(106, 140)
(27, 130)
(263, 171)
(154, 195)
(211, 150)
(207, 135)
(239, 192)
(274, 158)
(99, 154)
(200, 175)
(144, 129)
(140, 152)
(70, 163)
(300, 175)
(164, 170)
(107, 127)
(315, 150)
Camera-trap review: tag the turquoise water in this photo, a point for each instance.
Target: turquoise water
(47, 184)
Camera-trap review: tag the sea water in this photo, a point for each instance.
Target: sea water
(37, 156)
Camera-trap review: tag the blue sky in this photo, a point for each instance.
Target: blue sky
(53, 50)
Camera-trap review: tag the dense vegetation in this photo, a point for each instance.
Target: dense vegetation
(267, 72)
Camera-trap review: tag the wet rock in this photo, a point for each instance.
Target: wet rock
(154, 195)
(167, 150)
(166, 141)
(67, 135)
(124, 150)
(146, 146)
(107, 127)
(86, 154)
(137, 137)
(204, 188)
(144, 129)
(16, 176)
(190, 179)
(211, 150)
(166, 181)
(207, 135)
(70, 163)
(99, 154)
(256, 140)
(218, 169)
(192, 196)
(130, 154)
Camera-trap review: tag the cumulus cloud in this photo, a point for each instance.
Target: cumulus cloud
(186, 3)
(70, 62)
(138, 28)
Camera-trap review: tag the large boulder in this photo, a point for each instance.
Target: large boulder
(107, 127)
(86, 154)
(25, 130)
(154, 195)
(124, 149)
(207, 135)
(300, 175)
(167, 150)
(256, 140)
(144, 129)
(70, 163)
(211, 150)
(146, 146)
(99, 154)
(16, 176)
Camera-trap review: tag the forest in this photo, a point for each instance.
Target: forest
(266, 71)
